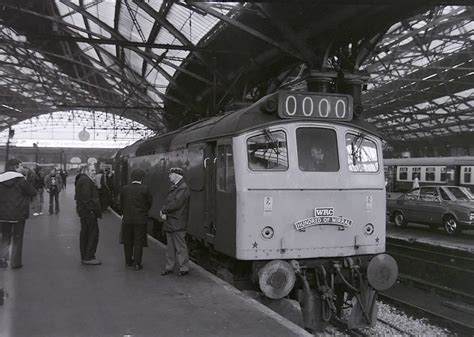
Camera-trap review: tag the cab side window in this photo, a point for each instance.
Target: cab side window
(268, 151)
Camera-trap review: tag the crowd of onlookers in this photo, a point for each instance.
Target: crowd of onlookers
(20, 186)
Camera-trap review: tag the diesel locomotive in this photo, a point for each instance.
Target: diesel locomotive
(292, 187)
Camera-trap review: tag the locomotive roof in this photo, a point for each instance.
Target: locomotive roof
(130, 150)
(230, 124)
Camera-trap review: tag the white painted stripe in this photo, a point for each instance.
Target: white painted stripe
(252, 302)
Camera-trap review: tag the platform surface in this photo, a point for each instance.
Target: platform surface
(55, 295)
(423, 234)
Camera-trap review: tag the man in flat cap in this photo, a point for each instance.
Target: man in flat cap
(175, 215)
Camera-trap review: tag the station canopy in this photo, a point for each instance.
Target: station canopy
(167, 63)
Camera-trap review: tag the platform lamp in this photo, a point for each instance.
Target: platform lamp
(11, 134)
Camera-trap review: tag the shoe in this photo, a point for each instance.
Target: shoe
(129, 263)
(92, 262)
(35, 214)
(40, 213)
(17, 267)
(166, 272)
(3, 264)
(138, 267)
(183, 273)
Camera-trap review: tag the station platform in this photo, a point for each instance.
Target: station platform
(54, 294)
(423, 234)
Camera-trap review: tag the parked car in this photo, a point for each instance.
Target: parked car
(449, 206)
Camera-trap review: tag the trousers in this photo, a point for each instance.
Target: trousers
(177, 251)
(89, 237)
(12, 239)
(38, 200)
(53, 195)
(134, 239)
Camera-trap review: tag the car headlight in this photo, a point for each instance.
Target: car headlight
(471, 216)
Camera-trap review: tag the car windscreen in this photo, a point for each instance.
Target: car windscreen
(459, 193)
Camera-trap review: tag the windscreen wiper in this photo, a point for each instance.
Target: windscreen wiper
(355, 147)
(273, 141)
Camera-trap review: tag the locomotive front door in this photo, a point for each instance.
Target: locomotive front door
(210, 187)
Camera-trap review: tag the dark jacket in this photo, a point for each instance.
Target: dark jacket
(176, 207)
(87, 197)
(38, 180)
(135, 202)
(56, 179)
(15, 196)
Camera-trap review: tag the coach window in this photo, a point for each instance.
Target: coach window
(415, 173)
(430, 174)
(317, 150)
(225, 168)
(361, 153)
(467, 175)
(268, 151)
(444, 174)
(403, 173)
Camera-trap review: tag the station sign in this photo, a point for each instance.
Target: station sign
(296, 104)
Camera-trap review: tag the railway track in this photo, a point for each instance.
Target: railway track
(342, 326)
(443, 276)
(442, 268)
(461, 328)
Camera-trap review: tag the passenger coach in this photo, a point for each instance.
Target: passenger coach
(401, 172)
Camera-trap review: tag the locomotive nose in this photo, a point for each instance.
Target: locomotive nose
(382, 272)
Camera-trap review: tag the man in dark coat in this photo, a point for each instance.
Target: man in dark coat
(88, 208)
(15, 196)
(135, 201)
(175, 214)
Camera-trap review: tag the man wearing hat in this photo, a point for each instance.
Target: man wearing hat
(175, 215)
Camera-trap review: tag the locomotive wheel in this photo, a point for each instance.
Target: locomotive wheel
(451, 226)
(399, 220)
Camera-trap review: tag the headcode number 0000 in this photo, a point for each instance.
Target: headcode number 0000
(314, 106)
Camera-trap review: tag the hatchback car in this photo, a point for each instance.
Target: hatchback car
(449, 206)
